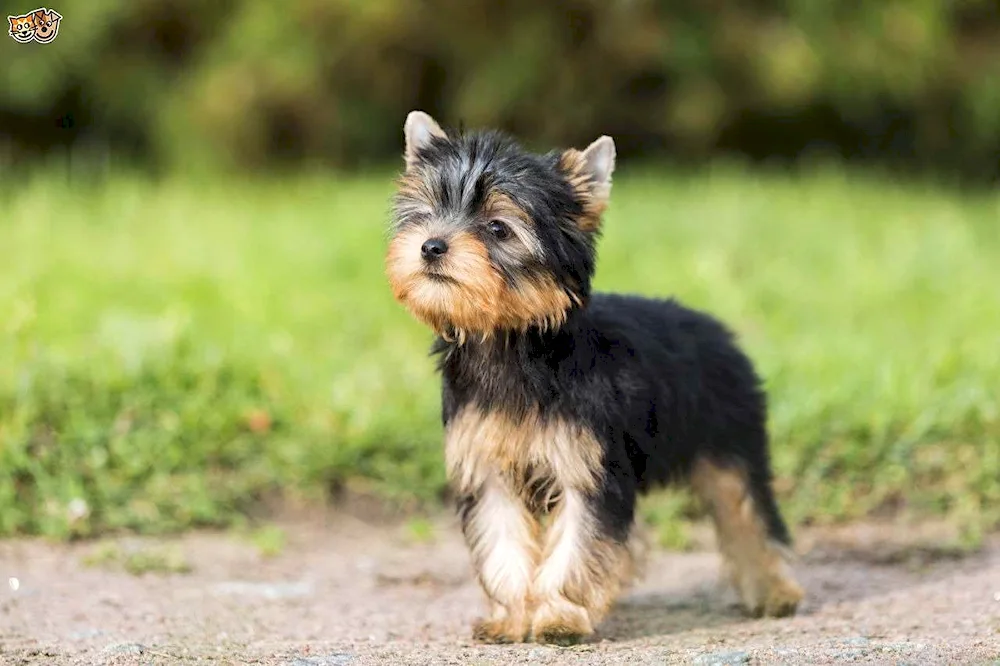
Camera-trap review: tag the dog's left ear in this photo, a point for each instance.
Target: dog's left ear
(420, 129)
(599, 162)
(589, 172)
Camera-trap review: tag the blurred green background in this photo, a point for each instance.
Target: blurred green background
(193, 316)
(255, 84)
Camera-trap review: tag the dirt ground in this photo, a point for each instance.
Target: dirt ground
(342, 592)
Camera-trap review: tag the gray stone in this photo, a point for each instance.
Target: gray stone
(266, 590)
(857, 640)
(904, 646)
(734, 658)
(847, 655)
(335, 659)
(84, 634)
(124, 648)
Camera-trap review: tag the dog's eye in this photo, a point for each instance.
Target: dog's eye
(499, 230)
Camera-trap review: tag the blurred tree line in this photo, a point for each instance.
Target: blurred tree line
(252, 83)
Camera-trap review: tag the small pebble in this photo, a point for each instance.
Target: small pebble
(14, 584)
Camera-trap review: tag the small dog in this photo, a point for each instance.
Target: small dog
(561, 406)
(46, 25)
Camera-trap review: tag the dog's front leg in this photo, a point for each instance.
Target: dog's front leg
(583, 569)
(502, 536)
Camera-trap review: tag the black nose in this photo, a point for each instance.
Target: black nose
(433, 249)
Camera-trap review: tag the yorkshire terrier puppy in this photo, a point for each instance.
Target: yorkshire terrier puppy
(561, 406)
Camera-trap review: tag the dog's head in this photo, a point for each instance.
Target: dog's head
(22, 28)
(488, 237)
(46, 25)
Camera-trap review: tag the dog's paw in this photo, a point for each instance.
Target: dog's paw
(561, 624)
(783, 598)
(498, 631)
(559, 635)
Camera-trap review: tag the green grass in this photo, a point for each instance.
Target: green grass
(269, 540)
(419, 530)
(138, 561)
(173, 354)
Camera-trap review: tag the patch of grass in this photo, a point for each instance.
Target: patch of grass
(138, 561)
(269, 540)
(172, 354)
(420, 530)
(106, 553)
(667, 514)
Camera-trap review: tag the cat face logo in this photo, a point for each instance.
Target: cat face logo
(22, 28)
(40, 25)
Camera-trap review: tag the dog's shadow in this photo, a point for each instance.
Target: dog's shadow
(830, 576)
(642, 615)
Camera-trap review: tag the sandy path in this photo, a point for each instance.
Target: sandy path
(348, 594)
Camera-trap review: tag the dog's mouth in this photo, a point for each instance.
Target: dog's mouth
(440, 278)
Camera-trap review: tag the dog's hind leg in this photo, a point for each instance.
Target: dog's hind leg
(751, 534)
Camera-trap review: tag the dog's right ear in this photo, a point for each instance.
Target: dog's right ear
(420, 129)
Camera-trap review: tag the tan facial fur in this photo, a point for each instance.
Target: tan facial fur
(574, 574)
(758, 568)
(475, 299)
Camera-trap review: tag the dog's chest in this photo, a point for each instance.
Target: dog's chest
(513, 372)
(524, 451)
